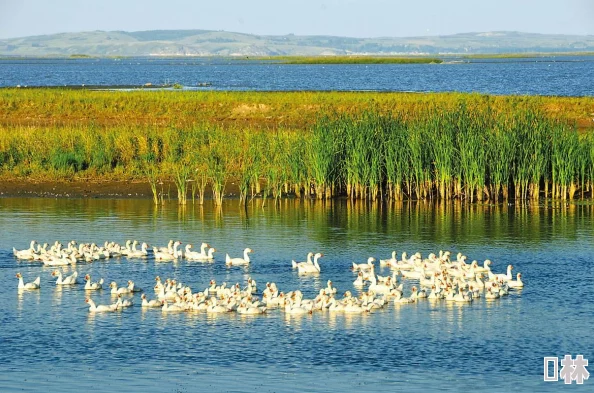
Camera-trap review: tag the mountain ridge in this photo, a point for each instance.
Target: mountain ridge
(222, 43)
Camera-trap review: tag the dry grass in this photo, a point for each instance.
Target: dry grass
(265, 110)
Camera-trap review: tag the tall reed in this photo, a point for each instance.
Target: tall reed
(469, 151)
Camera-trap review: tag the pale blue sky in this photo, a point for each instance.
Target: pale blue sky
(355, 18)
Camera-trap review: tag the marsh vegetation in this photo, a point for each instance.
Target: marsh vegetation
(364, 146)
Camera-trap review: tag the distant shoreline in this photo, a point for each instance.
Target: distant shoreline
(318, 59)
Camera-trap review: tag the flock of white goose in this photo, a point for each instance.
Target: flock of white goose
(439, 279)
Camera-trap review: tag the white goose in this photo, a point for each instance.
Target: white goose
(168, 249)
(30, 285)
(28, 253)
(506, 277)
(307, 262)
(352, 308)
(239, 261)
(305, 268)
(151, 303)
(435, 294)
(165, 255)
(406, 263)
(165, 295)
(100, 308)
(142, 253)
(92, 286)
(516, 283)
(359, 282)
(126, 249)
(398, 299)
(252, 285)
(246, 307)
(383, 288)
(69, 280)
(391, 261)
(485, 267)
(61, 260)
(334, 305)
(330, 288)
(462, 297)
(123, 303)
(132, 287)
(297, 307)
(364, 266)
(189, 254)
(216, 308)
(116, 291)
(490, 295)
(273, 301)
(173, 308)
(416, 274)
(201, 256)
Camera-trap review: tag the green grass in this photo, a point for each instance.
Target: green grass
(354, 60)
(525, 55)
(262, 110)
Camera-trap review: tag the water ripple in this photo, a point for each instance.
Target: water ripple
(494, 346)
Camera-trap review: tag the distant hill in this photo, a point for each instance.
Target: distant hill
(222, 43)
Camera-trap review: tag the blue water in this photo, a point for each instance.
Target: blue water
(555, 75)
(50, 342)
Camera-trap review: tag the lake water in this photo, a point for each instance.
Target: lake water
(554, 75)
(50, 342)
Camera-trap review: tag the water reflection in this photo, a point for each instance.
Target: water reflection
(57, 299)
(325, 221)
(26, 298)
(296, 321)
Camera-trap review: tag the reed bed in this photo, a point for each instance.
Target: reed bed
(260, 110)
(472, 148)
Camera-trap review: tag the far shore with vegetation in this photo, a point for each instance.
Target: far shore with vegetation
(370, 146)
(329, 59)
(358, 59)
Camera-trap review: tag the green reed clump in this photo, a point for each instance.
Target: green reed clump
(276, 165)
(67, 160)
(471, 150)
(258, 142)
(501, 151)
(321, 157)
(470, 141)
(537, 143)
(565, 148)
(588, 142)
(152, 176)
(583, 158)
(181, 173)
(220, 161)
(416, 168)
(395, 159)
(245, 165)
(297, 170)
(441, 135)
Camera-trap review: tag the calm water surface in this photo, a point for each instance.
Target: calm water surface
(50, 342)
(554, 75)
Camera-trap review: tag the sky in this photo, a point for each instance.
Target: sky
(352, 18)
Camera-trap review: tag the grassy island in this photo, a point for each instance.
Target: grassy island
(356, 60)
